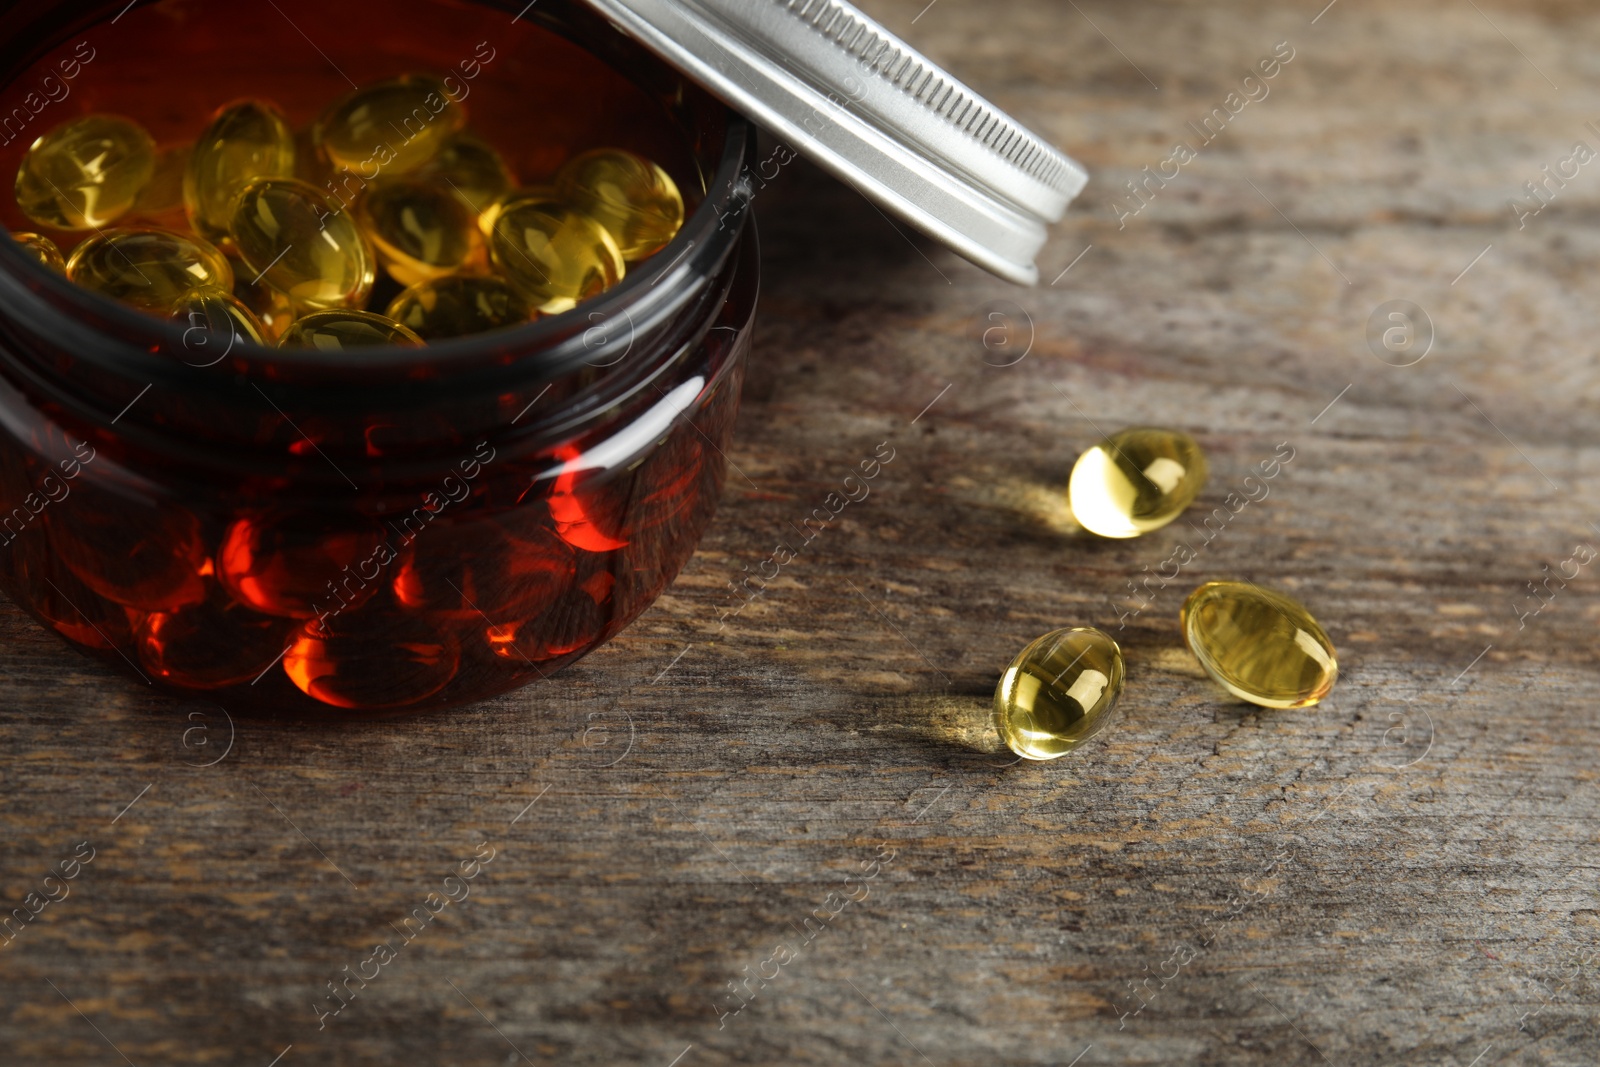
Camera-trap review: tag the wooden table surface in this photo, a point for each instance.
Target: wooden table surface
(1403, 874)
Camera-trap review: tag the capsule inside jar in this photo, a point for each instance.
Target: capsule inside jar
(214, 321)
(148, 268)
(85, 174)
(555, 255)
(298, 242)
(341, 329)
(247, 140)
(420, 230)
(395, 126)
(42, 251)
(460, 306)
(634, 199)
(471, 169)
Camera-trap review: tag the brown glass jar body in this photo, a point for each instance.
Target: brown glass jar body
(387, 529)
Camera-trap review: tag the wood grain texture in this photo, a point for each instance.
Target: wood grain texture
(1404, 874)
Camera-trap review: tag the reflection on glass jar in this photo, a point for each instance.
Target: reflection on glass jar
(210, 645)
(478, 569)
(65, 604)
(301, 564)
(375, 659)
(145, 554)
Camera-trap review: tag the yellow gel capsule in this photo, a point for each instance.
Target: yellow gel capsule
(554, 255)
(389, 128)
(291, 237)
(460, 306)
(635, 200)
(1259, 645)
(1135, 481)
(42, 250)
(335, 331)
(472, 170)
(420, 230)
(86, 173)
(244, 141)
(148, 268)
(272, 309)
(215, 322)
(1058, 692)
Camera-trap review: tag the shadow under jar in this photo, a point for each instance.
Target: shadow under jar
(383, 528)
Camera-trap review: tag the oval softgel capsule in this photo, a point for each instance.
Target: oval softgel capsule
(1135, 481)
(1059, 692)
(1258, 644)
(295, 240)
(244, 141)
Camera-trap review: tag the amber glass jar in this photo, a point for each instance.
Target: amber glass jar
(385, 528)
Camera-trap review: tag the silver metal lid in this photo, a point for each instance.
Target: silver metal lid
(862, 103)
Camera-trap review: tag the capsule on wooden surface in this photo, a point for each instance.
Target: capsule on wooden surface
(1259, 645)
(1058, 692)
(1135, 481)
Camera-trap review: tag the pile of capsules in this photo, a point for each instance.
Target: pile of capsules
(271, 258)
(1258, 644)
